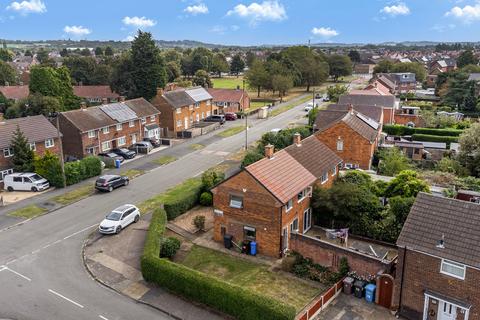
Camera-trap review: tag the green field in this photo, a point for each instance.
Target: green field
(227, 83)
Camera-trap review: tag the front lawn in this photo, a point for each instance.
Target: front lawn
(251, 276)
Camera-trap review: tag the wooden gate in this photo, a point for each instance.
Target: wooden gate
(385, 290)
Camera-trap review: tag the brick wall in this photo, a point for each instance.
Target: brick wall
(403, 119)
(329, 255)
(40, 149)
(422, 272)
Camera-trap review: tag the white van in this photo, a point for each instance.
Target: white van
(25, 181)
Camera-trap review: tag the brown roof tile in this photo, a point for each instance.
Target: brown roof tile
(372, 100)
(142, 107)
(457, 221)
(178, 98)
(95, 92)
(35, 129)
(373, 112)
(14, 92)
(89, 118)
(226, 95)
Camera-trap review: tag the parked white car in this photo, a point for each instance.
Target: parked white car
(119, 219)
(25, 181)
(309, 107)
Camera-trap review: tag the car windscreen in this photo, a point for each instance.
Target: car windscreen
(114, 216)
(36, 177)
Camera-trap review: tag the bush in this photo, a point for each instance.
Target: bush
(343, 268)
(251, 157)
(203, 288)
(399, 130)
(199, 222)
(49, 167)
(180, 202)
(206, 199)
(431, 138)
(211, 178)
(77, 171)
(169, 247)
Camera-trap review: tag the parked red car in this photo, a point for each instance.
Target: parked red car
(230, 116)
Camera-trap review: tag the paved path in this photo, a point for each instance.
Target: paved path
(41, 268)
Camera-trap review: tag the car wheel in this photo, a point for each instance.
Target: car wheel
(10, 189)
(34, 189)
(118, 230)
(110, 189)
(137, 217)
(126, 183)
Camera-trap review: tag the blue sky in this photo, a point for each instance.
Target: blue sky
(243, 22)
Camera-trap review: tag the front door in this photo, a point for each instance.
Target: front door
(284, 239)
(307, 220)
(447, 311)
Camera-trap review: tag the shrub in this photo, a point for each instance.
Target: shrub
(206, 199)
(183, 199)
(251, 157)
(343, 267)
(399, 130)
(432, 138)
(199, 222)
(203, 288)
(77, 171)
(211, 178)
(169, 247)
(49, 167)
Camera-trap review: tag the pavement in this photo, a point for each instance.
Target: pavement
(115, 262)
(41, 265)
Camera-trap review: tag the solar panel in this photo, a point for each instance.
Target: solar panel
(198, 94)
(119, 112)
(372, 123)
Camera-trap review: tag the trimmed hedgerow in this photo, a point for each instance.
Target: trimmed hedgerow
(399, 130)
(431, 138)
(203, 288)
(179, 201)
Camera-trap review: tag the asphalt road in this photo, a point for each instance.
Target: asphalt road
(41, 270)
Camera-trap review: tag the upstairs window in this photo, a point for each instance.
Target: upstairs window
(91, 134)
(453, 269)
(105, 130)
(289, 205)
(339, 145)
(197, 104)
(7, 152)
(324, 177)
(49, 143)
(131, 123)
(236, 202)
(119, 127)
(152, 118)
(32, 146)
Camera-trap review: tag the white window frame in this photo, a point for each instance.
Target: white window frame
(105, 130)
(179, 110)
(131, 123)
(292, 229)
(236, 203)
(49, 143)
(3, 173)
(119, 127)
(304, 195)
(340, 145)
(33, 146)
(91, 134)
(305, 213)
(324, 177)
(209, 103)
(197, 105)
(152, 118)
(143, 120)
(121, 141)
(289, 205)
(197, 116)
(208, 113)
(108, 145)
(453, 264)
(179, 123)
(334, 171)
(8, 152)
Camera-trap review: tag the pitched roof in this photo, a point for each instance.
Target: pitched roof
(226, 95)
(142, 107)
(35, 129)
(14, 92)
(198, 94)
(387, 101)
(315, 156)
(178, 98)
(89, 118)
(282, 175)
(432, 218)
(94, 92)
(373, 112)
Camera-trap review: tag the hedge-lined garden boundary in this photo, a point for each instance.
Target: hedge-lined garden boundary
(399, 130)
(200, 287)
(180, 201)
(432, 138)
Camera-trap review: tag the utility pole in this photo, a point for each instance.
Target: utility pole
(59, 138)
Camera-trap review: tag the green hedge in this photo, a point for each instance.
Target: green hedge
(432, 138)
(83, 169)
(200, 287)
(399, 130)
(180, 201)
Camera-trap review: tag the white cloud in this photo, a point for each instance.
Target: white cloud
(129, 38)
(196, 9)
(139, 22)
(325, 32)
(77, 31)
(256, 12)
(467, 13)
(399, 9)
(25, 7)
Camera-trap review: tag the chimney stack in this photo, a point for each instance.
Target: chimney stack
(122, 98)
(104, 101)
(83, 106)
(297, 139)
(269, 151)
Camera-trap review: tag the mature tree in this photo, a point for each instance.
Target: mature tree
(257, 76)
(144, 66)
(4, 103)
(81, 68)
(456, 91)
(354, 55)
(201, 78)
(53, 83)
(6, 55)
(64, 52)
(334, 92)
(469, 155)
(384, 66)
(173, 71)
(85, 52)
(392, 161)
(414, 67)
(470, 68)
(22, 153)
(220, 64)
(49, 167)
(340, 66)
(237, 65)
(282, 84)
(33, 105)
(466, 57)
(7, 74)
(108, 51)
(98, 51)
(172, 55)
(42, 55)
(250, 58)
(28, 53)
(406, 184)
(102, 74)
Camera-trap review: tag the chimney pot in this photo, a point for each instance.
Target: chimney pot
(297, 139)
(269, 151)
(122, 98)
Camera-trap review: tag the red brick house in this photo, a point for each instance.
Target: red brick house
(438, 270)
(397, 83)
(40, 133)
(388, 103)
(230, 100)
(89, 131)
(352, 135)
(15, 93)
(96, 94)
(270, 199)
(182, 108)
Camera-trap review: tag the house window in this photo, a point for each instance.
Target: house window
(289, 205)
(301, 195)
(198, 117)
(3, 173)
(121, 141)
(294, 225)
(334, 171)
(453, 269)
(7, 152)
(209, 102)
(197, 104)
(106, 146)
(324, 177)
(119, 127)
(49, 143)
(249, 233)
(105, 130)
(179, 110)
(307, 220)
(179, 123)
(131, 123)
(32, 146)
(91, 134)
(339, 145)
(190, 107)
(144, 120)
(90, 150)
(236, 202)
(152, 118)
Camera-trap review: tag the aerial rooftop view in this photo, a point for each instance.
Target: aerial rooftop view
(247, 159)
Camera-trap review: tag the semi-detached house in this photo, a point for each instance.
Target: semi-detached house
(89, 131)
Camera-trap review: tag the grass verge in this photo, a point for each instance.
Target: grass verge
(165, 160)
(231, 131)
(28, 212)
(227, 83)
(196, 146)
(74, 195)
(282, 109)
(132, 173)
